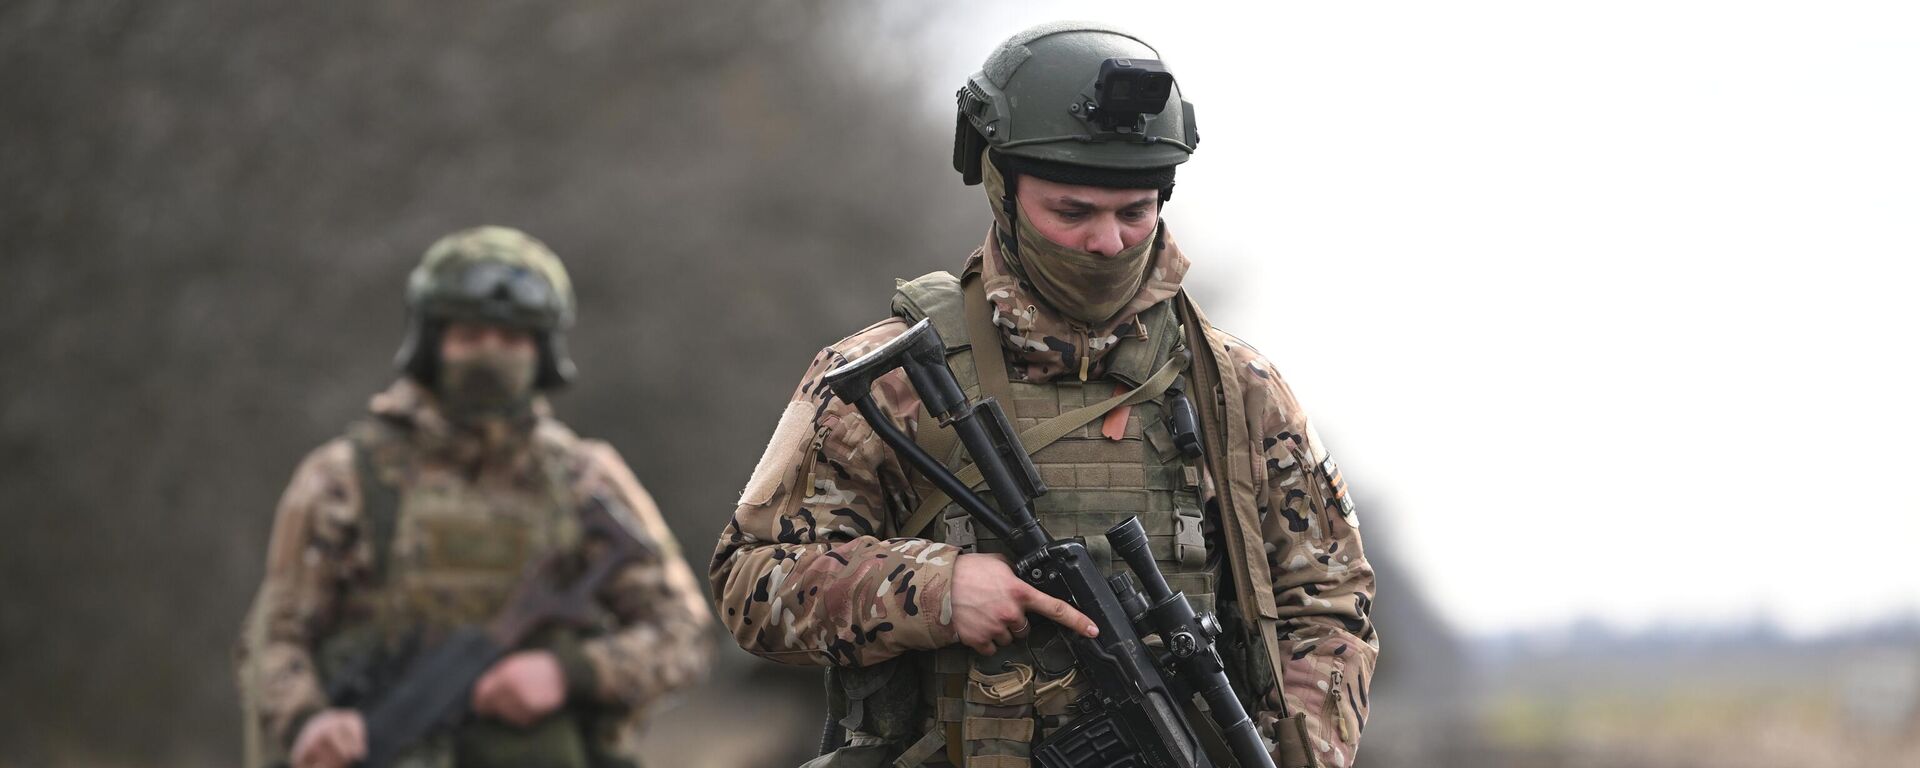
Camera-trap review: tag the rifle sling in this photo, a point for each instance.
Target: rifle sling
(379, 499)
(1220, 397)
(983, 341)
(1047, 432)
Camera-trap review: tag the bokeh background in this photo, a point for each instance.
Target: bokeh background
(1607, 311)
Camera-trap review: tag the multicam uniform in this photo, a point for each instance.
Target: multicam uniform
(814, 568)
(472, 513)
(425, 516)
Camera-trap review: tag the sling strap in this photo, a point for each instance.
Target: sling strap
(1047, 432)
(379, 493)
(1225, 429)
(983, 340)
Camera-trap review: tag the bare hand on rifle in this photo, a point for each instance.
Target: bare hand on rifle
(334, 738)
(521, 688)
(990, 605)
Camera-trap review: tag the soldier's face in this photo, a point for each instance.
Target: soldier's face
(1097, 220)
(466, 341)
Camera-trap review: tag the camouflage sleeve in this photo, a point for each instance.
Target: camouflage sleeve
(662, 644)
(804, 572)
(1322, 583)
(311, 551)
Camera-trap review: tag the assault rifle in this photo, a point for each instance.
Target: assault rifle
(1135, 714)
(432, 690)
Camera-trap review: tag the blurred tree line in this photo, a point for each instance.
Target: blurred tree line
(208, 209)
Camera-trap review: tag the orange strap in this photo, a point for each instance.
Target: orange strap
(1115, 427)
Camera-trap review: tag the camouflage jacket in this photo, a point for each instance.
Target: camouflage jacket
(824, 578)
(319, 551)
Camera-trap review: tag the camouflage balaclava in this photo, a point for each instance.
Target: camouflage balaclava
(490, 276)
(1082, 285)
(492, 385)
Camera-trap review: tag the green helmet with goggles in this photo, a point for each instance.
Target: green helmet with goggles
(495, 275)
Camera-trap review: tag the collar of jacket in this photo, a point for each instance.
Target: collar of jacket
(409, 404)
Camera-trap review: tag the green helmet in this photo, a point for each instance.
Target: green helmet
(493, 275)
(1079, 102)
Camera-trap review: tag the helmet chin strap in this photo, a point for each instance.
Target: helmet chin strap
(1009, 240)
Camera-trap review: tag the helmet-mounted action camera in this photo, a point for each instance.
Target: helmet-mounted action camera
(1128, 89)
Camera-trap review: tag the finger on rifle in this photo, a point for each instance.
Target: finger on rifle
(515, 710)
(1002, 635)
(339, 749)
(483, 694)
(307, 749)
(1057, 611)
(357, 733)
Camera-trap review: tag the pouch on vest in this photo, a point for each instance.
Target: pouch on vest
(396, 618)
(997, 718)
(880, 700)
(555, 742)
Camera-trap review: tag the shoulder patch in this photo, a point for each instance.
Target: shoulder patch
(781, 455)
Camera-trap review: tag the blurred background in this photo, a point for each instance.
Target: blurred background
(1599, 305)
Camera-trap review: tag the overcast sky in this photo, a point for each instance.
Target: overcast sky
(1611, 304)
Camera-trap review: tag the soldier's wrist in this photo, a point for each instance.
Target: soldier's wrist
(298, 723)
(939, 615)
(576, 670)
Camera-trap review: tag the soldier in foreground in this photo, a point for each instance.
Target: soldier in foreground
(429, 516)
(839, 554)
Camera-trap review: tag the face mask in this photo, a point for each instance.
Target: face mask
(490, 384)
(1082, 285)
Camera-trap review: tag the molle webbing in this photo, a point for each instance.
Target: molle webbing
(447, 549)
(1042, 435)
(1095, 482)
(444, 550)
(930, 296)
(989, 710)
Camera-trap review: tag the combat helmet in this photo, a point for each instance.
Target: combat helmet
(494, 275)
(1078, 103)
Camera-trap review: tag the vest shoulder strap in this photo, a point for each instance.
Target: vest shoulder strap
(935, 296)
(554, 448)
(377, 449)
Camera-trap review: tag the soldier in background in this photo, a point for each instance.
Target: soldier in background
(837, 555)
(427, 512)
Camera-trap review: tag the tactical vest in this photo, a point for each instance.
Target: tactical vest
(448, 552)
(990, 709)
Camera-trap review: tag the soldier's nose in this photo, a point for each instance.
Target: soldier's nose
(1104, 240)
